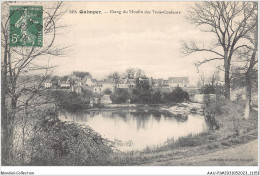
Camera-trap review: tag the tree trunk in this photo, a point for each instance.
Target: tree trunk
(227, 79)
(8, 135)
(249, 74)
(249, 86)
(4, 120)
(248, 97)
(7, 145)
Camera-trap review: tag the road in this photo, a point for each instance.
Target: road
(243, 155)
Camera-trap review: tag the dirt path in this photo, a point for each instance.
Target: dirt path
(243, 155)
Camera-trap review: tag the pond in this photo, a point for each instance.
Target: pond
(138, 129)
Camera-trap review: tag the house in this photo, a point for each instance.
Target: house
(64, 84)
(97, 88)
(131, 83)
(47, 84)
(78, 83)
(76, 88)
(108, 84)
(126, 84)
(122, 84)
(157, 82)
(105, 99)
(165, 83)
(178, 82)
(88, 81)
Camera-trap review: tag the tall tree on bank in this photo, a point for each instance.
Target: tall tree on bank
(229, 21)
(249, 73)
(245, 71)
(17, 63)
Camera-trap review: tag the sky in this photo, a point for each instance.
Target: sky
(107, 42)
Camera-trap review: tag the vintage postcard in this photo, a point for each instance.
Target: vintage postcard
(129, 84)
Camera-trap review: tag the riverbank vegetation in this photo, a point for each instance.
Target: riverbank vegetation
(146, 96)
(234, 130)
(46, 141)
(72, 101)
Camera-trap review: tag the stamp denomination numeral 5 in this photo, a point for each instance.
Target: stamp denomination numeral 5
(14, 38)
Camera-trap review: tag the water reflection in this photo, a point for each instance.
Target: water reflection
(137, 129)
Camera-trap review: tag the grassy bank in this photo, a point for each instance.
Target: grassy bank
(233, 131)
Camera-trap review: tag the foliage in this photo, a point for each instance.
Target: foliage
(208, 89)
(64, 78)
(81, 74)
(178, 95)
(144, 95)
(55, 80)
(120, 96)
(238, 78)
(71, 100)
(107, 91)
(63, 143)
(156, 97)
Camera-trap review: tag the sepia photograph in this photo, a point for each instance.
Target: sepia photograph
(129, 83)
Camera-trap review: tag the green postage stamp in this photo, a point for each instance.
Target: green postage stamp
(26, 27)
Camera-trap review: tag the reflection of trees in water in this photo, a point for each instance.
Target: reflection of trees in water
(106, 114)
(81, 116)
(141, 116)
(121, 114)
(180, 117)
(141, 122)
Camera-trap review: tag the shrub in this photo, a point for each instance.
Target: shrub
(70, 100)
(178, 95)
(156, 97)
(63, 143)
(120, 96)
(208, 89)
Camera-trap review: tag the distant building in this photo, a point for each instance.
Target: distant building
(105, 99)
(78, 83)
(165, 83)
(157, 82)
(76, 88)
(122, 84)
(178, 82)
(97, 88)
(128, 84)
(108, 84)
(131, 83)
(64, 84)
(88, 81)
(48, 84)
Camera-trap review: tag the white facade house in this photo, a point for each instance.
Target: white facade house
(178, 82)
(47, 84)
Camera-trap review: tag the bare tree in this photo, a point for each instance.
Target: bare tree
(229, 21)
(214, 78)
(246, 62)
(17, 62)
(115, 76)
(202, 80)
